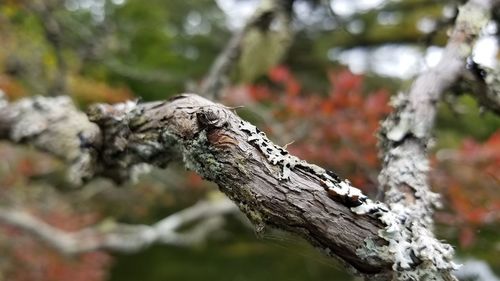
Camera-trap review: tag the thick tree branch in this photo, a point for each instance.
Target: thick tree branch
(270, 186)
(208, 138)
(122, 237)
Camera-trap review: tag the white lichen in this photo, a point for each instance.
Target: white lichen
(274, 154)
(412, 247)
(55, 125)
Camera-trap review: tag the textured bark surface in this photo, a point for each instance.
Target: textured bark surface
(209, 140)
(405, 138)
(206, 136)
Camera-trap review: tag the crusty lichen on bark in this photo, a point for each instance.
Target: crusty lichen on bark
(405, 137)
(54, 125)
(407, 247)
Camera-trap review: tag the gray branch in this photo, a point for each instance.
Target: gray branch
(123, 237)
(405, 135)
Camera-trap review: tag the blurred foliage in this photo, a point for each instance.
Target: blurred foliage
(115, 50)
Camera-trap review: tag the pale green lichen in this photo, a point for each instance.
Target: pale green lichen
(197, 156)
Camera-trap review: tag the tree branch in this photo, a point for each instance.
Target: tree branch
(123, 237)
(208, 138)
(406, 133)
(218, 76)
(268, 184)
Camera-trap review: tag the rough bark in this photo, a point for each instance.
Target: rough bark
(406, 134)
(208, 138)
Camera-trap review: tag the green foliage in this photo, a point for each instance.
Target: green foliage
(461, 118)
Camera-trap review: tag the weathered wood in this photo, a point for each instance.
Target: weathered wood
(207, 137)
(212, 144)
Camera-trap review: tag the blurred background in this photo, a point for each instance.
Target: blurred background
(319, 75)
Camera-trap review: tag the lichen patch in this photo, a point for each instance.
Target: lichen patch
(412, 248)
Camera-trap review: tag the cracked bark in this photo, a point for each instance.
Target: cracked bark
(206, 137)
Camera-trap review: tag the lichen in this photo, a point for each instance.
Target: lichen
(278, 156)
(198, 157)
(56, 126)
(472, 17)
(412, 248)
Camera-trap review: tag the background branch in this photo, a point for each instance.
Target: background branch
(405, 134)
(219, 75)
(123, 237)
